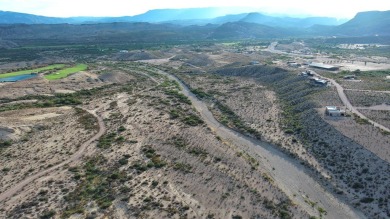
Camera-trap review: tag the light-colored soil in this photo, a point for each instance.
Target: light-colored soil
(382, 107)
(367, 98)
(363, 66)
(279, 161)
(39, 142)
(366, 84)
(366, 135)
(64, 91)
(181, 188)
(378, 113)
(256, 105)
(330, 136)
(208, 171)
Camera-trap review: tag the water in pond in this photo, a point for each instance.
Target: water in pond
(18, 78)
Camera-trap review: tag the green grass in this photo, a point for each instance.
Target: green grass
(67, 71)
(25, 72)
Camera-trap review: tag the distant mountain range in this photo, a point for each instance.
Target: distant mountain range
(187, 24)
(191, 16)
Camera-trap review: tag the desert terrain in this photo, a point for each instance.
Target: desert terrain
(195, 132)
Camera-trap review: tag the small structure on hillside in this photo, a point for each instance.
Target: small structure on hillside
(321, 82)
(310, 73)
(350, 77)
(318, 81)
(304, 74)
(334, 111)
(293, 64)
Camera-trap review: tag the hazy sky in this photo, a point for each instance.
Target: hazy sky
(67, 8)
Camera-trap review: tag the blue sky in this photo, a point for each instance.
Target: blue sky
(67, 8)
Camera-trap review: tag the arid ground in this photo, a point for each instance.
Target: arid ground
(194, 133)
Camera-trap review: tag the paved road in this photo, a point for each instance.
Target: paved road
(287, 173)
(347, 103)
(76, 156)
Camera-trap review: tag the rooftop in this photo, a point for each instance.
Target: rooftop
(331, 107)
(322, 65)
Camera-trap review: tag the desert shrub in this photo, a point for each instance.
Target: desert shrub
(366, 200)
(106, 140)
(179, 96)
(200, 93)
(155, 159)
(6, 169)
(123, 161)
(174, 114)
(183, 167)
(86, 119)
(5, 143)
(48, 214)
(361, 121)
(192, 120)
(197, 151)
(121, 129)
(357, 185)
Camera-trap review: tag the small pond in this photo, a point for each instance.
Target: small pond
(18, 78)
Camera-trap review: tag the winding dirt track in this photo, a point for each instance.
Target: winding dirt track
(76, 156)
(340, 89)
(286, 172)
(290, 176)
(347, 103)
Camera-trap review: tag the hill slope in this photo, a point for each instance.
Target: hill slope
(245, 30)
(7, 17)
(366, 24)
(187, 16)
(289, 21)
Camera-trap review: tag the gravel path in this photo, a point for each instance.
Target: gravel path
(76, 156)
(347, 103)
(290, 176)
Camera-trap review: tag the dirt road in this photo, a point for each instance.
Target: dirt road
(347, 103)
(272, 49)
(370, 91)
(76, 156)
(290, 176)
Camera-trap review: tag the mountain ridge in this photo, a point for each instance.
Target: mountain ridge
(187, 16)
(239, 26)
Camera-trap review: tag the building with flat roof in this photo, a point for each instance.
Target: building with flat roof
(323, 66)
(318, 81)
(334, 111)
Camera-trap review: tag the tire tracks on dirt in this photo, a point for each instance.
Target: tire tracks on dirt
(76, 156)
(287, 173)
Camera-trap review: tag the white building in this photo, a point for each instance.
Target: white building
(334, 111)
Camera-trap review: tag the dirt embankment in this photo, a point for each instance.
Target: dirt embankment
(157, 159)
(337, 154)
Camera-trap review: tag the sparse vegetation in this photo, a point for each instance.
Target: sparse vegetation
(5, 143)
(106, 141)
(159, 159)
(192, 120)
